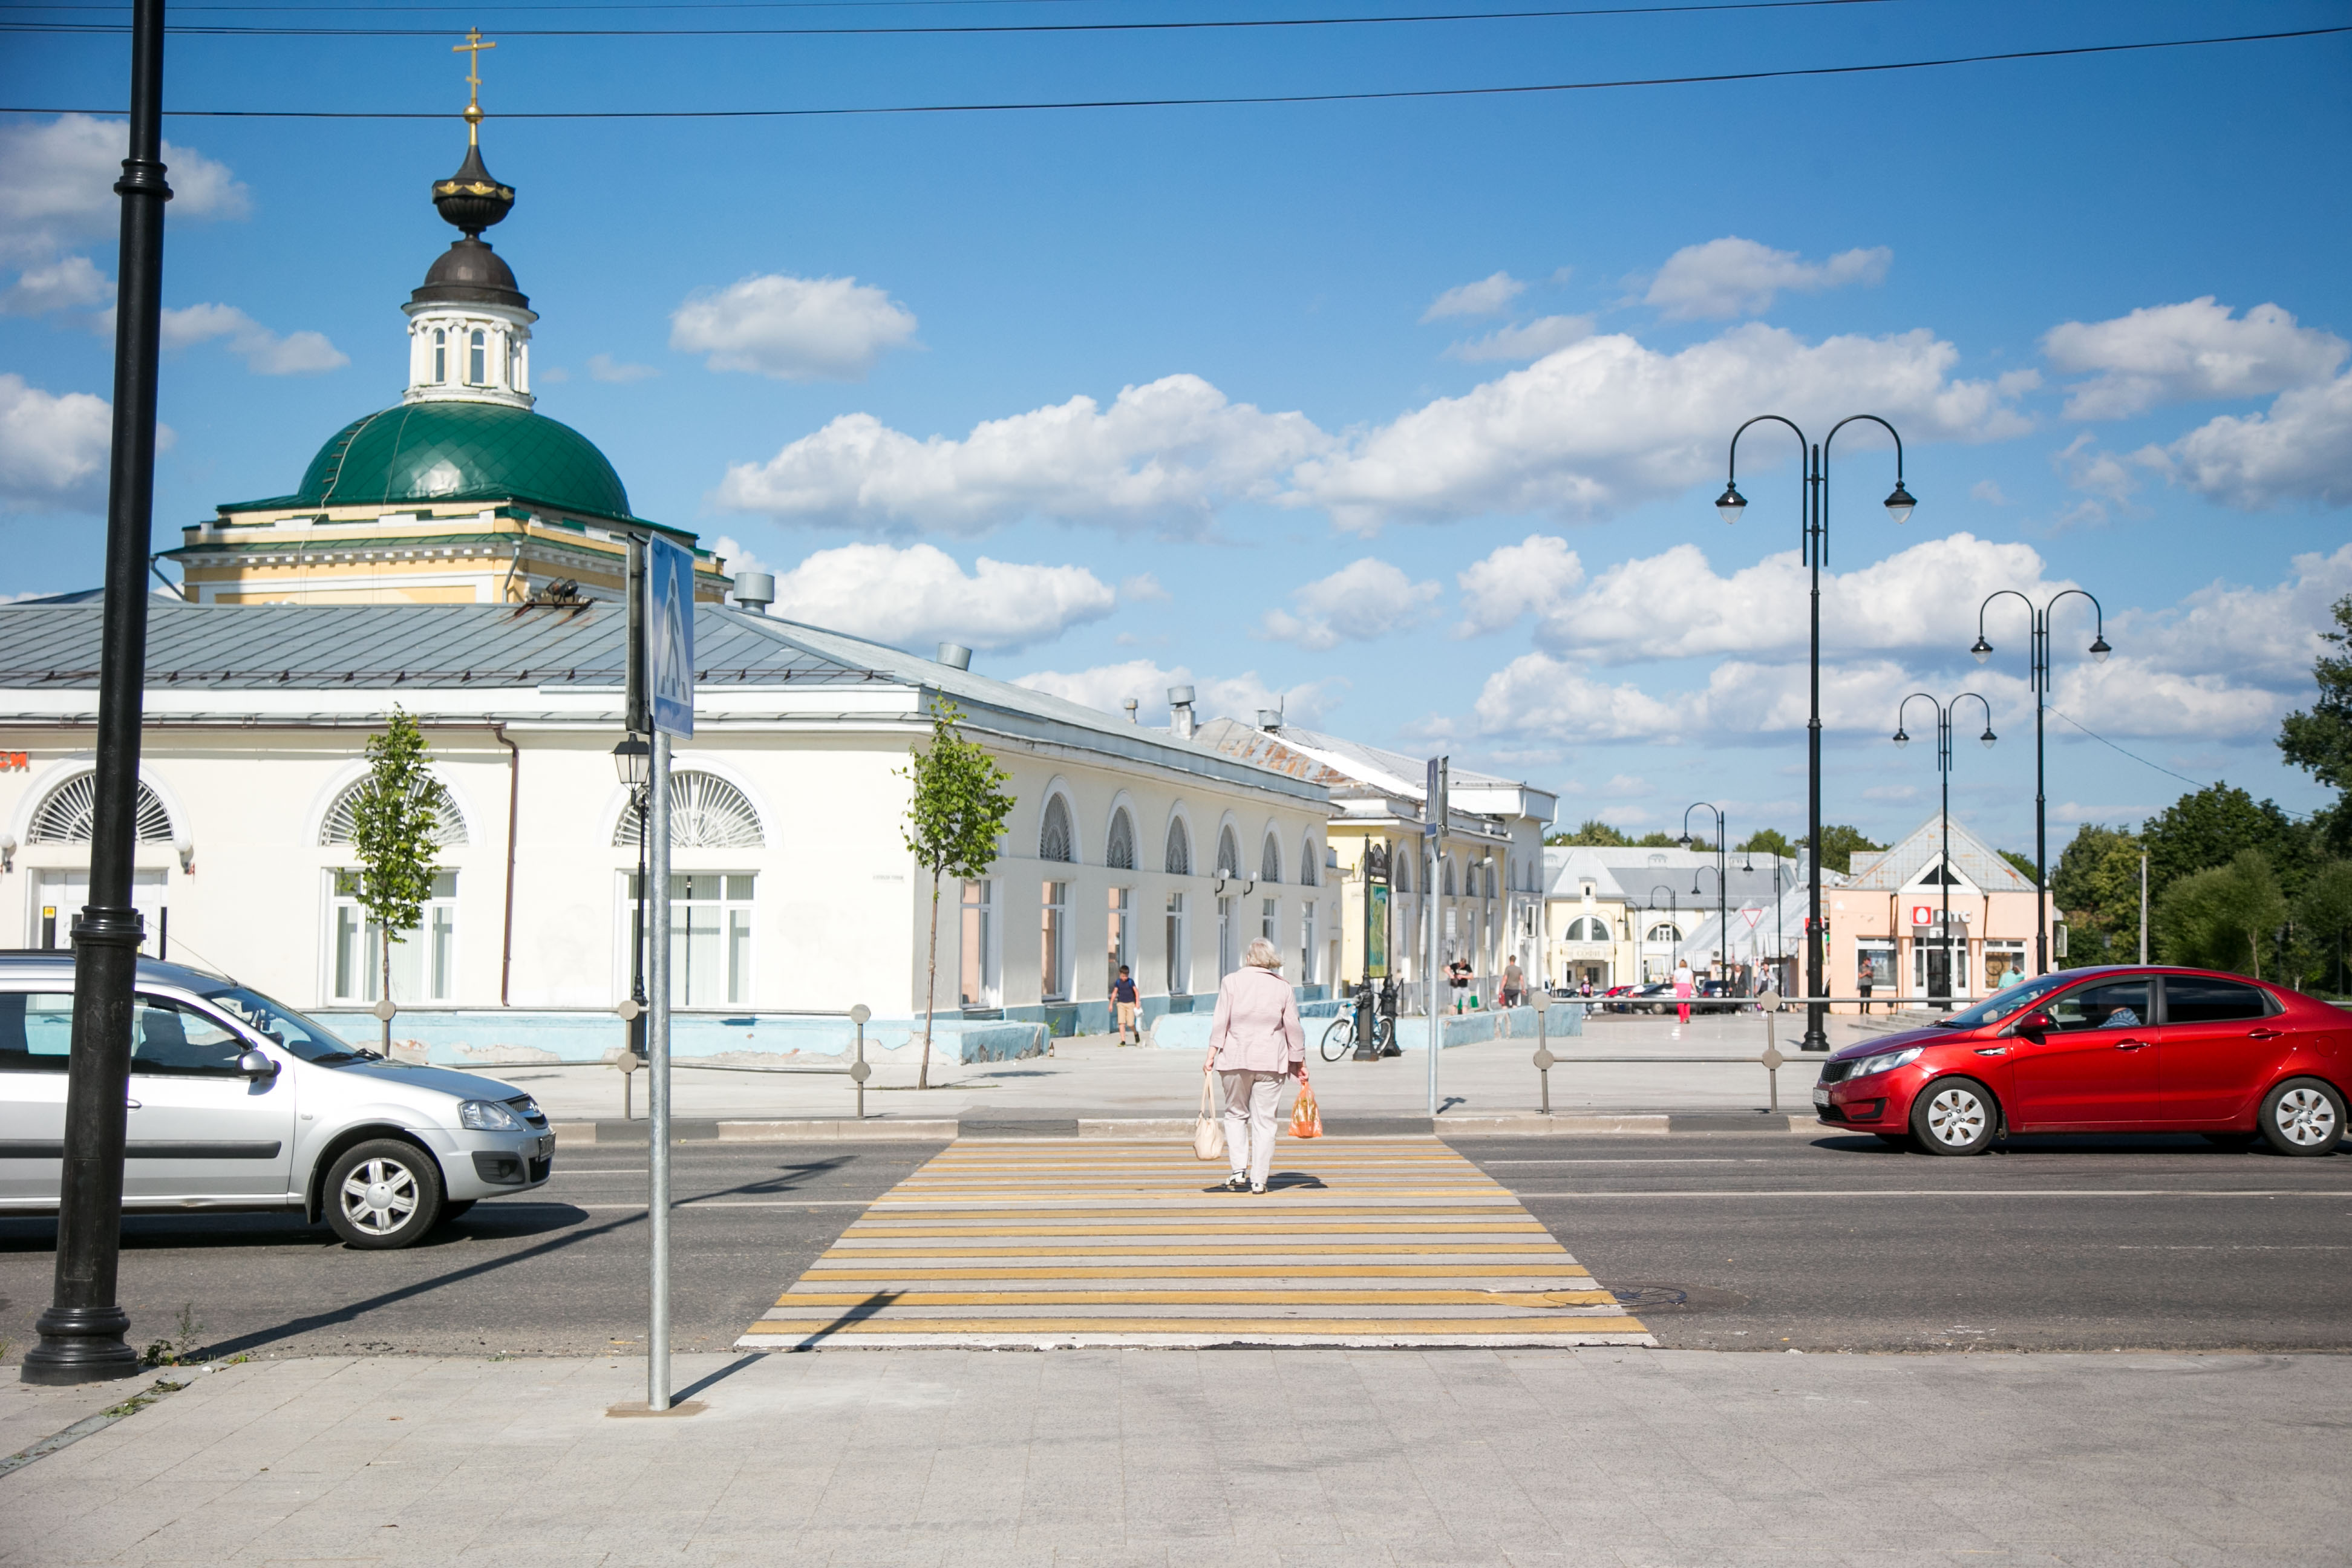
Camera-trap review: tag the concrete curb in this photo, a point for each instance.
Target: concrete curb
(877, 1130)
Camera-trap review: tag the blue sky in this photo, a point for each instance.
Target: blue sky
(1409, 415)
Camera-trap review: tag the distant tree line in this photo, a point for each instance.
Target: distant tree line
(1841, 842)
(2234, 882)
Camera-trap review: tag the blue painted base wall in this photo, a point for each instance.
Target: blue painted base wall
(1413, 1033)
(519, 1037)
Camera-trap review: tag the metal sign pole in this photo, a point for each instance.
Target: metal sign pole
(657, 1084)
(1436, 829)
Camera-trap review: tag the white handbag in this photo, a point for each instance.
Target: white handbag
(1208, 1133)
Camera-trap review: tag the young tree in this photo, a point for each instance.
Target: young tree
(2319, 739)
(953, 818)
(2210, 826)
(2323, 918)
(395, 828)
(2221, 917)
(1769, 841)
(2096, 885)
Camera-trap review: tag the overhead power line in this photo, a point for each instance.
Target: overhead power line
(225, 29)
(1711, 78)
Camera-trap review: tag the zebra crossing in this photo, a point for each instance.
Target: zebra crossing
(1004, 1244)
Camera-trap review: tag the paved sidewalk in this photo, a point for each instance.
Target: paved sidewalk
(1092, 1077)
(1536, 1458)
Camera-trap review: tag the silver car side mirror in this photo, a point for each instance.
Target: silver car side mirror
(257, 1064)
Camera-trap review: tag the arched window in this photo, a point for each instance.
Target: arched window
(1229, 852)
(1449, 876)
(1310, 870)
(1269, 868)
(342, 827)
(1589, 929)
(1053, 835)
(477, 367)
(1662, 931)
(1119, 854)
(706, 812)
(1179, 860)
(440, 355)
(1400, 866)
(66, 817)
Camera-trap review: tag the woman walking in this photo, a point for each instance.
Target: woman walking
(1254, 1042)
(1685, 985)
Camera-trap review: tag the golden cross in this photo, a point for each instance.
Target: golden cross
(474, 47)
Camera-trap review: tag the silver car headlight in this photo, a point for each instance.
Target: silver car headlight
(487, 1115)
(1882, 1062)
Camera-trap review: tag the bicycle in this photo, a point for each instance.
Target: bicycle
(1339, 1038)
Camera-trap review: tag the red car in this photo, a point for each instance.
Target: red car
(2105, 1050)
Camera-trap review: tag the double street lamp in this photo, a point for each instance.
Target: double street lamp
(1722, 931)
(1816, 514)
(2039, 659)
(633, 760)
(1944, 773)
(1673, 917)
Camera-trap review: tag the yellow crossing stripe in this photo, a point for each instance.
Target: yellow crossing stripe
(1362, 1242)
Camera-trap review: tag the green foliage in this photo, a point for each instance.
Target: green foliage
(1841, 843)
(2319, 739)
(2022, 863)
(1769, 841)
(2211, 826)
(1592, 832)
(2323, 922)
(1657, 841)
(395, 819)
(954, 816)
(2222, 917)
(2096, 886)
(958, 809)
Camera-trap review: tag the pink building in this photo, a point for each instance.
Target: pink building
(1887, 921)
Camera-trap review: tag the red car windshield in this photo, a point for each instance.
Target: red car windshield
(2001, 1004)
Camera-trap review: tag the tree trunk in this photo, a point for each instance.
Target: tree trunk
(932, 986)
(384, 993)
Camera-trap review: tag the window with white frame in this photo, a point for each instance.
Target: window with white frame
(1180, 945)
(1307, 967)
(1311, 867)
(1270, 860)
(424, 961)
(1120, 952)
(977, 986)
(1056, 839)
(710, 937)
(1118, 850)
(1178, 858)
(1269, 921)
(478, 370)
(1054, 942)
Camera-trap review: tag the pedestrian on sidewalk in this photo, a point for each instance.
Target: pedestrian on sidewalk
(1515, 981)
(1254, 1042)
(1686, 986)
(1122, 1001)
(1862, 982)
(1457, 975)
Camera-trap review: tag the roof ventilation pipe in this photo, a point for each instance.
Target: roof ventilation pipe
(755, 591)
(1180, 711)
(1269, 720)
(955, 656)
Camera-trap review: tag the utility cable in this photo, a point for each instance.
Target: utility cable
(1712, 78)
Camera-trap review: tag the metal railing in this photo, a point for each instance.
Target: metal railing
(1770, 1059)
(857, 1069)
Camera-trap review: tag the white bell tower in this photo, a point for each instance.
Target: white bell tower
(470, 325)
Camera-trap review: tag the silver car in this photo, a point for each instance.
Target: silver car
(238, 1101)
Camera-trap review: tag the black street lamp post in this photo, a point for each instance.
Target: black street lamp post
(1944, 775)
(1816, 509)
(1674, 915)
(633, 760)
(82, 1330)
(2038, 661)
(1722, 931)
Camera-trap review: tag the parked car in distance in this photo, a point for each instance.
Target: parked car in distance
(2117, 1049)
(239, 1102)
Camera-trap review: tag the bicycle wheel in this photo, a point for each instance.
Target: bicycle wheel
(1339, 1038)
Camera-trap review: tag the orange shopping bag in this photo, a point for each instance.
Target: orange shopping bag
(1306, 1116)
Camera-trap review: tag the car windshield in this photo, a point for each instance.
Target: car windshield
(310, 1040)
(2001, 1004)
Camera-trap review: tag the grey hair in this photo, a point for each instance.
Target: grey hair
(1262, 954)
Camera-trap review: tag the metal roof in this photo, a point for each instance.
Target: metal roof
(1923, 847)
(342, 646)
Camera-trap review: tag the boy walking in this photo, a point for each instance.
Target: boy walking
(1122, 999)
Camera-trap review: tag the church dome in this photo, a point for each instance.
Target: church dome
(436, 453)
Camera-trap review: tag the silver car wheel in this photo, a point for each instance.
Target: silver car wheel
(1956, 1117)
(379, 1196)
(2305, 1117)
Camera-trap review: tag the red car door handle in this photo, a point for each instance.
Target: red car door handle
(2129, 1044)
(2262, 1034)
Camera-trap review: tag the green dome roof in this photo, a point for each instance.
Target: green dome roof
(436, 453)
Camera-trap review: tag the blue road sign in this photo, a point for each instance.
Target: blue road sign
(669, 635)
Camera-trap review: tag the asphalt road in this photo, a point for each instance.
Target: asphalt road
(1719, 1241)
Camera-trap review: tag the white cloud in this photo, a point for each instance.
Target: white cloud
(2098, 474)
(794, 328)
(1489, 296)
(1524, 341)
(1513, 579)
(1987, 491)
(605, 367)
(1165, 456)
(2265, 636)
(1143, 588)
(2301, 450)
(918, 595)
(1107, 687)
(2170, 354)
(53, 448)
(264, 351)
(56, 184)
(1607, 423)
(1733, 276)
(1362, 600)
(71, 282)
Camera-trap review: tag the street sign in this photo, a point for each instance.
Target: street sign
(1376, 930)
(669, 635)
